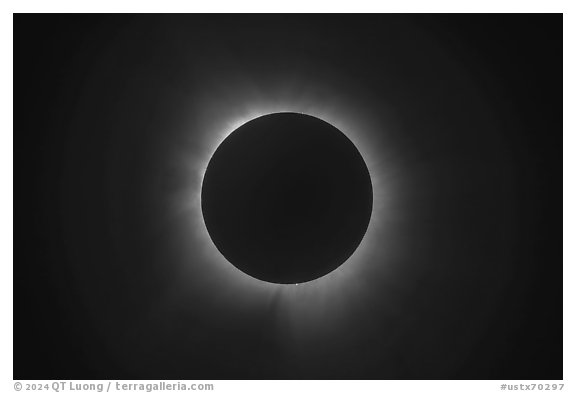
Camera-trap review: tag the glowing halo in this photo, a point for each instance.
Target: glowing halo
(329, 296)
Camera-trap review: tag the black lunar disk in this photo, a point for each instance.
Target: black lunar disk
(287, 198)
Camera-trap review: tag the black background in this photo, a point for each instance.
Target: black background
(477, 151)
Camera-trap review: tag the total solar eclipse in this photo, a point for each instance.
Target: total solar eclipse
(287, 198)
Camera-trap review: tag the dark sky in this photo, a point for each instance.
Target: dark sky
(460, 121)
